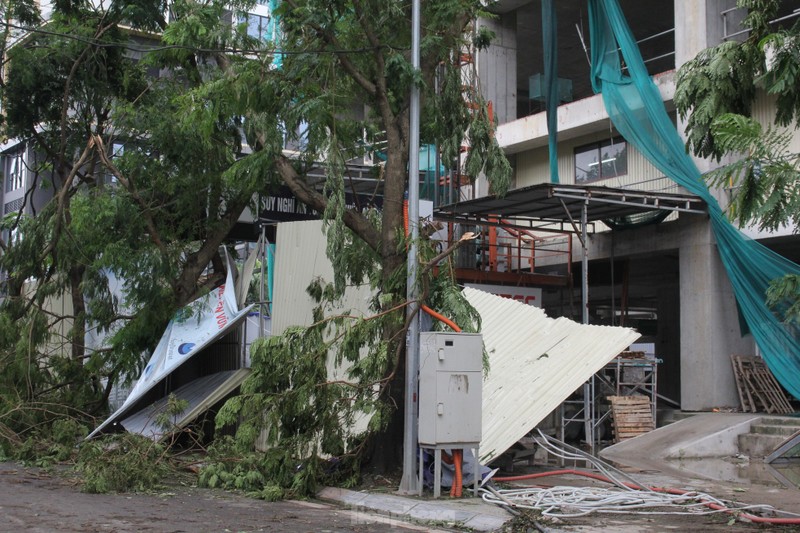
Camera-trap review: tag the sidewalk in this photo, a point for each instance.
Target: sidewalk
(472, 514)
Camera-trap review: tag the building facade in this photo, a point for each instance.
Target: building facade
(664, 279)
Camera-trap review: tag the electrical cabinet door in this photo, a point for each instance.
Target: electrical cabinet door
(450, 383)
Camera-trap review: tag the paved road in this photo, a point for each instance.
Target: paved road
(34, 501)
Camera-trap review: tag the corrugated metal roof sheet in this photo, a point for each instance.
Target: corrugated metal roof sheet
(536, 362)
(200, 395)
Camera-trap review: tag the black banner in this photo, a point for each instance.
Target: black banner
(284, 207)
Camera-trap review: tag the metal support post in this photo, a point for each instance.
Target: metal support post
(262, 244)
(584, 264)
(409, 483)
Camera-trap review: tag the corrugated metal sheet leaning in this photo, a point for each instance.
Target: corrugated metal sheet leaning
(536, 362)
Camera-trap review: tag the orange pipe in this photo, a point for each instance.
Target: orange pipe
(458, 478)
(425, 308)
(442, 318)
(405, 219)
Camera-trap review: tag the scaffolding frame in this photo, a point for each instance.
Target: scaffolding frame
(624, 376)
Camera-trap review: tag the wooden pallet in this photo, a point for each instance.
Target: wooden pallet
(758, 389)
(632, 416)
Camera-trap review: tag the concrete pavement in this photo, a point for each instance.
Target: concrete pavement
(471, 514)
(667, 457)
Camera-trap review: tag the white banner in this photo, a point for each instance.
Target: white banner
(190, 330)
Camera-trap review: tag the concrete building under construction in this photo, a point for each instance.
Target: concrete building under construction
(664, 278)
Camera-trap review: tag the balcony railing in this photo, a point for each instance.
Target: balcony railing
(732, 19)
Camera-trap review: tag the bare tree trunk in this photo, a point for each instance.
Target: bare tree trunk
(77, 335)
(387, 448)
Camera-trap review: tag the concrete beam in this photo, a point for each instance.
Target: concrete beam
(575, 119)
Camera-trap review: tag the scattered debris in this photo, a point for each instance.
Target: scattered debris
(758, 389)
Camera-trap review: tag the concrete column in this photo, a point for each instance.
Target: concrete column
(698, 25)
(690, 30)
(497, 67)
(709, 324)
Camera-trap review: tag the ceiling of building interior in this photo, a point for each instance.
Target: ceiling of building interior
(646, 19)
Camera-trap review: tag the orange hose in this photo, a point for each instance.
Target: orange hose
(439, 316)
(405, 216)
(425, 308)
(458, 478)
(405, 219)
(717, 507)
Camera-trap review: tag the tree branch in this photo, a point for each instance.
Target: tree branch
(326, 35)
(131, 188)
(354, 220)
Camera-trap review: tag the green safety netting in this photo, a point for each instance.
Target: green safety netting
(637, 111)
(550, 44)
(272, 33)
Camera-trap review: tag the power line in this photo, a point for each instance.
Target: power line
(150, 49)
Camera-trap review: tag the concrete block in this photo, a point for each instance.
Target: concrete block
(437, 512)
(781, 421)
(773, 429)
(386, 504)
(757, 446)
(343, 496)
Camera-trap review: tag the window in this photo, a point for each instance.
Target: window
(601, 160)
(257, 26)
(15, 171)
(117, 151)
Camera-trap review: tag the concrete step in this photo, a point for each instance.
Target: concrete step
(759, 445)
(791, 421)
(773, 429)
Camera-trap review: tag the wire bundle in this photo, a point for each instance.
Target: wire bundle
(571, 502)
(626, 496)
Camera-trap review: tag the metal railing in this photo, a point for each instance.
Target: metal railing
(505, 248)
(727, 14)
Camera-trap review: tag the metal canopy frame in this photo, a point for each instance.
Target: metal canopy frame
(568, 209)
(556, 207)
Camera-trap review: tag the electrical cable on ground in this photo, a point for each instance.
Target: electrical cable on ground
(629, 497)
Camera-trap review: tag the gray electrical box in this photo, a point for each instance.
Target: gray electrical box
(450, 383)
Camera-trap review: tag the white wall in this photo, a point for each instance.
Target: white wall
(300, 258)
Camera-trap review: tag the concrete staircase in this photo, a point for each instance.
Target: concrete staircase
(766, 434)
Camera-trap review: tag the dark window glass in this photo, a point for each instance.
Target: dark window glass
(257, 26)
(601, 160)
(15, 171)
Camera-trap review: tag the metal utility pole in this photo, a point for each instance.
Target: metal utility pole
(409, 484)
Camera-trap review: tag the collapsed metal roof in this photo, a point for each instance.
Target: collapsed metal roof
(200, 395)
(535, 363)
(549, 205)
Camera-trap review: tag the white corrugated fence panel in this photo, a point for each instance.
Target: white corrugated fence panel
(300, 257)
(535, 362)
